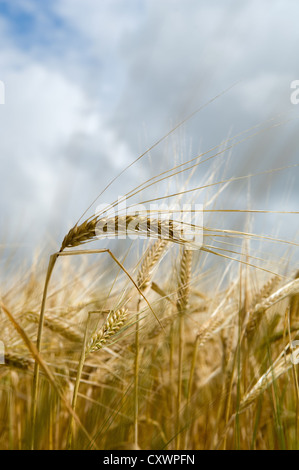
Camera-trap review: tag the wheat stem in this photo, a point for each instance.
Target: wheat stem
(51, 265)
(77, 384)
(182, 303)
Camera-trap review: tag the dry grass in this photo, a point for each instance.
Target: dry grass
(174, 349)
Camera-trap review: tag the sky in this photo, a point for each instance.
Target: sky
(90, 85)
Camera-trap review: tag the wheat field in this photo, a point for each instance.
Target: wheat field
(156, 344)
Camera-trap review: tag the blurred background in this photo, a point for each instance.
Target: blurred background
(90, 85)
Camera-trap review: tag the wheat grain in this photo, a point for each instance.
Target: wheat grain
(184, 281)
(266, 290)
(150, 261)
(15, 360)
(128, 225)
(112, 325)
(219, 318)
(282, 365)
(292, 288)
(254, 315)
(80, 234)
(182, 303)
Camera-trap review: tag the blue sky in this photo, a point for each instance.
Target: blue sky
(91, 84)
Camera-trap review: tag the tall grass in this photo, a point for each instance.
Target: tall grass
(175, 348)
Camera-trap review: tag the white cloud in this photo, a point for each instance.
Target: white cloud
(77, 103)
(45, 113)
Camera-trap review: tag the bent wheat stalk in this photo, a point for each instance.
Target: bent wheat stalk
(72, 239)
(85, 232)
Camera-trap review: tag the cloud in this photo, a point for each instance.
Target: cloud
(90, 85)
(51, 135)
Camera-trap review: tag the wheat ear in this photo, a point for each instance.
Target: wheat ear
(265, 292)
(57, 326)
(112, 325)
(150, 261)
(184, 281)
(99, 227)
(16, 360)
(281, 365)
(253, 316)
(219, 318)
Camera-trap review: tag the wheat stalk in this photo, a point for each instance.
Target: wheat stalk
(265, 292)
(294, 301)
(151, 259)
(112, 325)
(36, 355)
(219, 318)
(184, 281)
(292, 288)
(80, 235)
(182, 303)
(281, 365)
(253, 316)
